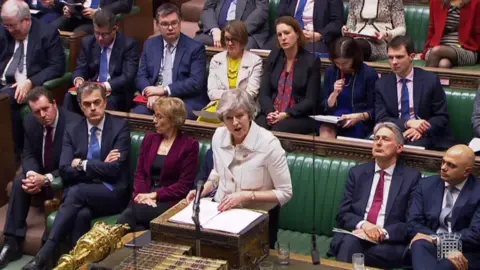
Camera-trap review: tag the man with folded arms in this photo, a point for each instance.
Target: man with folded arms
(94, 169)
(44, 129)
(449, 202)
(375, 204)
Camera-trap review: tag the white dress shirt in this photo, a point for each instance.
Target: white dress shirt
(98, 133)
(386, 189)
(19, 76)
(454, 195)
(410, 95)
(232, 9)
(258, 163)
(54, 128)
(307, 15)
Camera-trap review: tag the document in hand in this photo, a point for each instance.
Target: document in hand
(360, 236)
(230, 221)
(74, 7)
(475, 144)
(326, 118)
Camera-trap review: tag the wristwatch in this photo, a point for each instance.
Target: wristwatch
(434, 238)
(80, 166)
(46, 181)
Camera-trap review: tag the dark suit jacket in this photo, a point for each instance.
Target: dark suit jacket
(178, 171)
(45, 54)
(33, 146)
(123, 64)
(426, 206)
(327, 16)
(254, 13)
(115, 135)
(189, 75)
(429, 102)
(357, 192)
(306, 90)
(115, 6)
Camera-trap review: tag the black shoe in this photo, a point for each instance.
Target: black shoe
(9, 254)
(35, 264)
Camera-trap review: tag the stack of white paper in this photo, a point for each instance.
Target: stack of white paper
(326, 118)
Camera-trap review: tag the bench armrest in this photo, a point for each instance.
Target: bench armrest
(66, 79)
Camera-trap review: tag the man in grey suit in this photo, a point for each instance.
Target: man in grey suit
(476, 115)
(217, 13)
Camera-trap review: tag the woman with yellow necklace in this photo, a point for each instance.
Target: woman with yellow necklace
(234, 68)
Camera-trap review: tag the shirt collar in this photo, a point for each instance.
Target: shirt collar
(388, 170)
(111, 44)
(458, 186)
(249, 141)
(99, 126)
(409, 76)
(174, 44)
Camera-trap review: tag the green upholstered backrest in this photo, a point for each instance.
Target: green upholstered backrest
(272, 14)
(330, 177)
(135, 10)
(417, 19)
(460, 107)
(67, 59)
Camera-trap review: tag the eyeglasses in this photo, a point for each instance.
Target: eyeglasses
(167, 25)
(13, 26)
(230, 39)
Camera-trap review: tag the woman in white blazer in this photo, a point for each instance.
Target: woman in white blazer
(250, 166)
(234, 68)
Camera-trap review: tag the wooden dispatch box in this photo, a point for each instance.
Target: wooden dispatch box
(247, 248)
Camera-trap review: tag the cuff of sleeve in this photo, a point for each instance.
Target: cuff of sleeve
(385, 233)
(214, 177)
(167, 89)
(85, 165)
(29, 173)
(143, 91)
(108, 86)
(50, 177)
(359, 224)
(76, 79)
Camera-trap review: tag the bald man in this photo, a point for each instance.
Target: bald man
(449, 202)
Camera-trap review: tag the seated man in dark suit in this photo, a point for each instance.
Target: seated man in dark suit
(217, 13)
(94, 169)
(48, 10)
(108, 57)
(412, 98)
(44, 129)
(79, 19)
(321, 22)
(172, 65)
(31, 53)
(449, 202)
(375, 204)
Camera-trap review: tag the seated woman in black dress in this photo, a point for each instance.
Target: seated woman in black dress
(291, 84)
(166, 167)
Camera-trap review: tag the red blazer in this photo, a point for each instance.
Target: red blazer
(469, 30)
(178, 172)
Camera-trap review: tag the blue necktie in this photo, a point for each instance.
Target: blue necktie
(103, 66)
(405, 101)
(299, 13)
(94, 147)
(95, 4)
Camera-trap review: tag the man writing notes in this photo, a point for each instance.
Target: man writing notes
(375, 204)
(172, 65)
(94, 169)
(447, 203)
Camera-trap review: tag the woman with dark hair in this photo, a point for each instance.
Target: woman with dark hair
(349, 91)
(291, 83)
(447, 43)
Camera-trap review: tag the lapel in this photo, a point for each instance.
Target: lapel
(293, 6)
(365, 185)
(83, 138)
(172, 153)
(298, 68)
(227, 153)
(157, 58)
(395, 185)
(417, 90)
(462, 200)
(58, 137)
(115, 54)
(244, 71)
(156, 140)
(32, 42)
(437, 199)
(10, 51)
(218, 8)
(96, 51)
(106, 138)
(241, 4)
(392, 80)
(178, 57)
(223, 72)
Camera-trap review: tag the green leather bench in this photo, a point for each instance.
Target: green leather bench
(460, 108)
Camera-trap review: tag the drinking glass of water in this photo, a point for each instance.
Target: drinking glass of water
(265, 265)
(283, 253)
(358, 261)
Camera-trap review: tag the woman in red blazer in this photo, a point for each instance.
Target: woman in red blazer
(166, 167)
(453, 33)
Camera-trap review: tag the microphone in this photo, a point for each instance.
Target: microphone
(196, 201)
(315, 253)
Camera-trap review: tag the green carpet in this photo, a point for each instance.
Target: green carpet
(17, 265)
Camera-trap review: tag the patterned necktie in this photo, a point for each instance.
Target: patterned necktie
(405, 101)
(167, 66)
(48, 150)
(103, 75)
(446, 214)
(377, 200)
(94, 147)
(17, 63)
(299, 13)
(95, 4)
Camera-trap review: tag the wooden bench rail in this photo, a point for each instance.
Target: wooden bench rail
(74, 43)
(7, 159)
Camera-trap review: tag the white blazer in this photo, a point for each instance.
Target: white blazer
(258, 163)
(249, 75)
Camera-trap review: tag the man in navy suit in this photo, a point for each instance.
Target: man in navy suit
(48, 10)
(412, 98)
(79, 19)
(108, 57)
(44, 129)
(94, 169)
(375, 204)
(31, 53)
(172, 65)
(449, 202)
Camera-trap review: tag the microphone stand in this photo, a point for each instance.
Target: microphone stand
(315, 254)
(196, 220)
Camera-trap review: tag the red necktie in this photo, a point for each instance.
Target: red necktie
(48, 150)
(377, 200)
